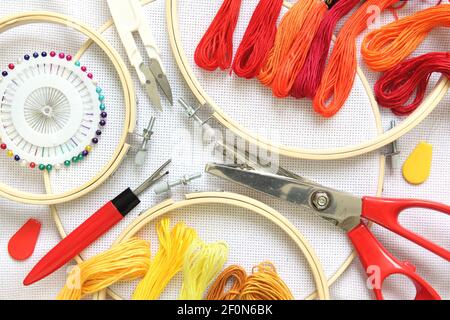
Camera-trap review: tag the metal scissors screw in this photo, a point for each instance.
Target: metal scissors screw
(321, 200)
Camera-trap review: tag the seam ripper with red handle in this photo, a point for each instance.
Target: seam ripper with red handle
(91, 229)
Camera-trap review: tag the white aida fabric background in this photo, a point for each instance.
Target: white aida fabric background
(291, 122)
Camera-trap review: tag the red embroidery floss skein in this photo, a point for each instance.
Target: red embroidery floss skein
(308, 79)
(258, 39)
(215, 49)
(396, 87)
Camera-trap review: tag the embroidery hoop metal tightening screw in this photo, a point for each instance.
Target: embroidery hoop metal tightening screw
(164, 186)
(192, 113)
(394, 152)
(209, 132)
(141, 155)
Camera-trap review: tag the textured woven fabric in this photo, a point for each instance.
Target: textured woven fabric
(291, 122)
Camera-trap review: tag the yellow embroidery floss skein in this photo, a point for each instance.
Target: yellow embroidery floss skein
(265, 284)
(202, 263)
(168, 261)
(123, 262)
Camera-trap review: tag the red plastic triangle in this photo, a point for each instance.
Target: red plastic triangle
(22, 243)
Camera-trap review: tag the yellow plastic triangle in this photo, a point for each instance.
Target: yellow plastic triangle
(417, 167)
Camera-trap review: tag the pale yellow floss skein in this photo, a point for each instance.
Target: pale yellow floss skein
(202, 264)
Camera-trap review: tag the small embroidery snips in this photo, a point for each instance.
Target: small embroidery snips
(129, 18)
(348, 212)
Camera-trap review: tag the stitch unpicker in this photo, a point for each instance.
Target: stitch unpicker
(91, 229)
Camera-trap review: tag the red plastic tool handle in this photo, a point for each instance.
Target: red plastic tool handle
(89, 231)
(380, 264)
(385, 212)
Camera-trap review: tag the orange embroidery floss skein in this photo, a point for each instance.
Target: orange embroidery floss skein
(293, 62)
(235, 274)
(263, 284)
(340, 72)
(386, 47)
(290, 26)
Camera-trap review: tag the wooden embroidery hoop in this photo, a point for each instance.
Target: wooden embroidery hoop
(129, 101)
(240, 201)
(379, 141)
(314, 295)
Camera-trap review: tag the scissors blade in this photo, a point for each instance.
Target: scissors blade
(284, 188)
(150, 86)
(342, 209)
(161, 78)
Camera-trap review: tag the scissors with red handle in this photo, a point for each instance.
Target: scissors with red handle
(348, 212)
